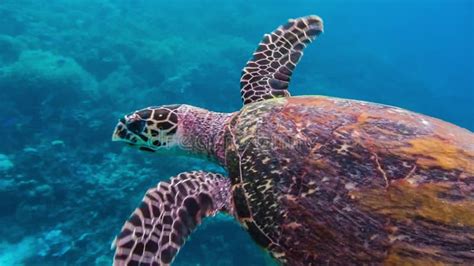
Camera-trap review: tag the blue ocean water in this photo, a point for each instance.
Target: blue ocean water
(70, 68)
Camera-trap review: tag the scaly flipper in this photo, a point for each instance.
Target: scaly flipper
(268, 73)
(167, 215)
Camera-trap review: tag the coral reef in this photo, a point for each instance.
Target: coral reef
(52, 79)
(5, 163)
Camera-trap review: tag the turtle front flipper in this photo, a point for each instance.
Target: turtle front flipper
(268, 73)
(167, 215)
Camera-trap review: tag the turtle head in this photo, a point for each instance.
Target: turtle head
(175, 130)
(151, 129)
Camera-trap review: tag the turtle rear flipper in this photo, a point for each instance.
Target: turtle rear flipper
(268, 73)
(167, 215)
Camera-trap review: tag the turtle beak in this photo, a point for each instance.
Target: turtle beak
(120, 131)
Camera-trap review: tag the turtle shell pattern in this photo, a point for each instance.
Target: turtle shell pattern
(324, 180)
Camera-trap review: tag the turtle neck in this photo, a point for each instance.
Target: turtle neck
(201, 132)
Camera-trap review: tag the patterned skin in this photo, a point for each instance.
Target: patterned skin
(268, 73)
(175, 130)
(314, 180)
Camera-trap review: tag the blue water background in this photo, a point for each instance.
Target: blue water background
(69, 69)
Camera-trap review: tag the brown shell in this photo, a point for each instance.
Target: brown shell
(324, 180)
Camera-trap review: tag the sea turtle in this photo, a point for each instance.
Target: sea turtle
(314, 180)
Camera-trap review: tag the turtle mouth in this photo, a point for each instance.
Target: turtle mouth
(123, 133)
(120, 132)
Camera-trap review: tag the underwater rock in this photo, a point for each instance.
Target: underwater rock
(30, 150)
(41, 78)
(26, 213)
(54, 243)
(151, 56)
(101, 61)
(43, 191)
(6, 185)
(17, 253)
(58, 143)
(5, 163)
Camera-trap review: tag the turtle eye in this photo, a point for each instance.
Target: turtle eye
(136, 126)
